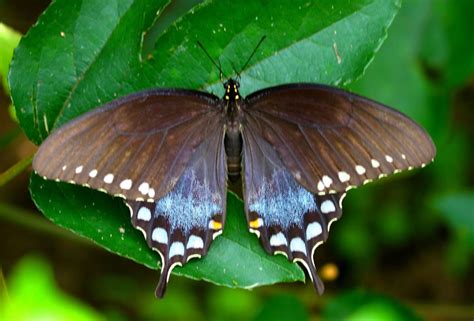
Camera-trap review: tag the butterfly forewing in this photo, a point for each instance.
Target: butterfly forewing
(136, 147)
(332, 140)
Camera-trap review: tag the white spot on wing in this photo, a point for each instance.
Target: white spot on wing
(278, 240)
(144, 214)
(320, 186)
(79, 169)
(159, 235)
(126, 184)
(327, 181)
(109, 178)
(143, 188)
(177, 248)
(297, 245)
(375, 163)
(360, 169)
(313, 229)
(195, 242)
(388, 158)
(64, 167)
(93, 173)
(343, 176)
(327, 207)
(151, 193)
(404, 156)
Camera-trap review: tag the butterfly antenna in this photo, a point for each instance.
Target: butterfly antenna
(253, 53)
(235, 70)
(218, 66)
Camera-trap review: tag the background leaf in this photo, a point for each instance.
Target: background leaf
(9, 39)
(62, 70)
(361, 306)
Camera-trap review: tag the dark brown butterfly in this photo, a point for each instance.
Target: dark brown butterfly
(169, 152)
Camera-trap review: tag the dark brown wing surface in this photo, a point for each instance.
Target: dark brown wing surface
(136, 147)
(332, 140)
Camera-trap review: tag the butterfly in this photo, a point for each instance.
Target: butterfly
(170, 153)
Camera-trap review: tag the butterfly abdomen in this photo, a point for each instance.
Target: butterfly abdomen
(233, 150)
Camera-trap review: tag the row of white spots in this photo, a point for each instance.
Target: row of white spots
(126, 184)
(313, 230)
(326, 181)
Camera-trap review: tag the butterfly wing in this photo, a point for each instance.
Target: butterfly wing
(332, 140)
(288, 219)
(304, 146)
(182, 224)
(163, 152)
(136, 147)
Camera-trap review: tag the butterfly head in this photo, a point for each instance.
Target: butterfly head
(231, 87)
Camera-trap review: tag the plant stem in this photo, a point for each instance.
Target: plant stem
(15, 170)
(32, 221)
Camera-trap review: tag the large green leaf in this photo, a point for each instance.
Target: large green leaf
(84, 53)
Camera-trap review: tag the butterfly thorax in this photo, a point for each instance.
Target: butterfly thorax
(233, 137)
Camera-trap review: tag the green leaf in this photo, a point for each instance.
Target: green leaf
(361, 305)
(9, 39)
(283, 307)
(61, 70)
(33, 295)
(235, 259)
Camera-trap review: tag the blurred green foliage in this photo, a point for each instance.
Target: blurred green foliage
(9, 39)
(363, 306)
(33, 295)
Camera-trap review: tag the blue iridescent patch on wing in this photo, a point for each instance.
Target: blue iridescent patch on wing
(189, 204)
(281, 200)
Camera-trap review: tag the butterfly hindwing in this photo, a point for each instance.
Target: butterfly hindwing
(182, 224)
(332, 140)
(288, 219)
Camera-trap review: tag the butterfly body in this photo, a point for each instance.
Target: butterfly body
(233, 137)
(298, 148)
